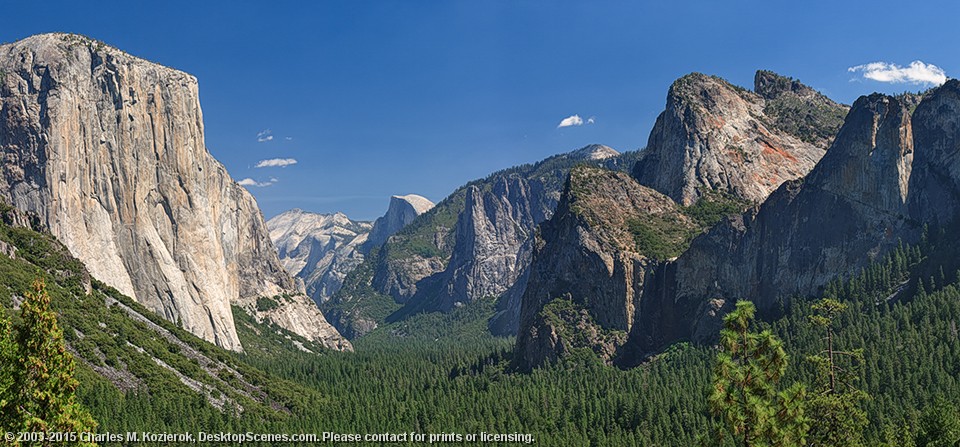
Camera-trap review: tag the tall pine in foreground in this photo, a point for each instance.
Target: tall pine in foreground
(41, 396)
(7, 353)
(745, 401)
(835, 414)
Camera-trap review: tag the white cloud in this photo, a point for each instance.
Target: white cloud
(591, 120)
(276, 163)
(264, 136)
(917, 72)
(573, 120)
(288, 138)
(251, 182)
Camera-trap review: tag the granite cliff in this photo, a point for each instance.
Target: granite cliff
(108, 151)
(888, 175)
(714, 136)
(850, 210)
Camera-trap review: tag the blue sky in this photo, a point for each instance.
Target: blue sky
(379, 98)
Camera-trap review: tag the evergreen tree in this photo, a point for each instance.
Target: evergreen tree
(6, 358)
(745, 399)
(835, 414)
(939, 426)
(41, 397)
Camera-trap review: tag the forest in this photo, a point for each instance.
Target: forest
(444, 373)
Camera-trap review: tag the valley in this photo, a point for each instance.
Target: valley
(581, 299)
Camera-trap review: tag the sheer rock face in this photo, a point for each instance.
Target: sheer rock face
(108, 150)
(586, 255)
(494, 244)
(491, 231)
(934, 189)
(851, 209)
(714, 136)
(402, 211)
(320, 249)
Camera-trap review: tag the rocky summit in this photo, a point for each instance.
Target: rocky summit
(402, 211)
(714, 136)
(108, 150)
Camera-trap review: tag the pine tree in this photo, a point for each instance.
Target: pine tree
(42, 394)
(835, 414)
(6, 358)
(745, 399)
(939, 426)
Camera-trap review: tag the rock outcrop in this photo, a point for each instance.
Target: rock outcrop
(488, 255)
(850, 210)
(402, 211)
(590, 263)
(320, 249)
(714, 136)
(108, 150)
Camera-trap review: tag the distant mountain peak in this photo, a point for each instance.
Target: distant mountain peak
(593, 152)
(419, 203)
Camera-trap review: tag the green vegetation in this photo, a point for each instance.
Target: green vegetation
(265, 304)
(745, 398)
(431, 235)
(664, 237)
(37, 390)
(577, 329)
(814, 121)
(445, 373)
(660, 237)
(714, 206)
(357, 295)
(834, 406)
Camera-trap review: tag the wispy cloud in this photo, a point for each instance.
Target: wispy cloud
(264, 136)
(251, 182)
(917, 72)
(573, 120)
(288, 138)
(276, 163)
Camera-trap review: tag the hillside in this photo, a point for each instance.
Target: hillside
(443, 373)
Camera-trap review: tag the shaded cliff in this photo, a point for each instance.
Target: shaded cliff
(590, 262)
(108, 150)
